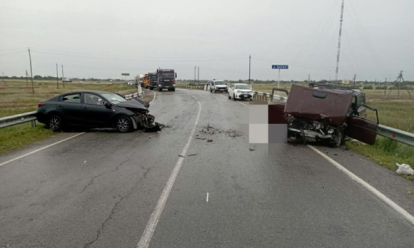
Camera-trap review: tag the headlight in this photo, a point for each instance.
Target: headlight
(160, 85)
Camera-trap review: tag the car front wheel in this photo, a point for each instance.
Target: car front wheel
(123, 124)
(55, 123)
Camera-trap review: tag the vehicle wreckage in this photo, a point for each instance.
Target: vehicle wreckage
(324, 113)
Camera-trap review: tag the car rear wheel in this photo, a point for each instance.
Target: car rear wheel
(55, 123)
(123, 124)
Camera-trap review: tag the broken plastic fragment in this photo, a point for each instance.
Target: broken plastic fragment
(404, 169)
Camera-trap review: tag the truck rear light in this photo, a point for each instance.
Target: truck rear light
(40, 104)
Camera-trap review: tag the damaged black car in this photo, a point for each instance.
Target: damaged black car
(324, 113)
(95, 109)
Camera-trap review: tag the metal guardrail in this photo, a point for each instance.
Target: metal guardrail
(18, 119)
(396, 134)
(385, 131)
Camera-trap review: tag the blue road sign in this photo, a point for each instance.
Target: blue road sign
(280, 67)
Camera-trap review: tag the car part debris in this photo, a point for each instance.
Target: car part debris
(404, 169)
(209, 140)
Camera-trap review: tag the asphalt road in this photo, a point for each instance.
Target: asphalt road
(100, 188)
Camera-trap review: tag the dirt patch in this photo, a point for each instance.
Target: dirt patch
(208, 129)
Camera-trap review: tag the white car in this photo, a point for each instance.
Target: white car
(218, 85)
(240, 91)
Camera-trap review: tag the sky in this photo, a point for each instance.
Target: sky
(103, 39)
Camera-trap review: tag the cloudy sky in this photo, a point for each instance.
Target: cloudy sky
(103, 39)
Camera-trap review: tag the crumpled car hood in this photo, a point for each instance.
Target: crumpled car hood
(132, 104)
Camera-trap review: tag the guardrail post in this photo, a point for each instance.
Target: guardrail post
(33, 123)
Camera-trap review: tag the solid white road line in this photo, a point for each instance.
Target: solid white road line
(153, 97)
(27, 154)
(207, 197)
(155, 216)
(373, 190)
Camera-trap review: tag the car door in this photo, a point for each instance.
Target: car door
(94, 112)
(362, 129)
(69, 107)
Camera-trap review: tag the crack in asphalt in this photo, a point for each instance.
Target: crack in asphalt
(113, 210)
(93, 178)
(98, 233)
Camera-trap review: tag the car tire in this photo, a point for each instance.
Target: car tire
(150, 88)
(211, 91)
(340, 139)
(123, 124)
(234, 97)
(159, 89)
(173, 90)
(229, 96)
(55, 123)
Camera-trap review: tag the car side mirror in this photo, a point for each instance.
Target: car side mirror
(107, 104)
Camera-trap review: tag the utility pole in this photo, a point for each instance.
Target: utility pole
(339, 42)
(57, 76)
(354, 80)
(63, 78)
(195, 73)
(27, 83)
(308, 78)
(250, 62)
(198, 74)
(31, 71)
(385, 88)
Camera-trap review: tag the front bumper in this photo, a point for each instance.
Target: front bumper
(244, 96)
(220, 89)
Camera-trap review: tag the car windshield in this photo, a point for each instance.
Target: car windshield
(219, 83)
(167, 75)
(114, 98)
(242, 87)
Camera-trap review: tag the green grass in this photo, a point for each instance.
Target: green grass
(386, 152)
(18, 136)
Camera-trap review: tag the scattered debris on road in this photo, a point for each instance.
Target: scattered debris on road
(200, 138)
(209, 140)
(404, 169)
(208, 129)
(190, 155)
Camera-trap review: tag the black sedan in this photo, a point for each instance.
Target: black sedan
(94, 109)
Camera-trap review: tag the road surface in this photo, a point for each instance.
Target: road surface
(103, 188)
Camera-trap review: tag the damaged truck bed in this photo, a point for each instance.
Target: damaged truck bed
(324, 114)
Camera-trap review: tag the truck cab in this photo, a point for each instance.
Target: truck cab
(166, 79)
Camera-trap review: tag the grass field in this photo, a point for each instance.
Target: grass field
(16, 97)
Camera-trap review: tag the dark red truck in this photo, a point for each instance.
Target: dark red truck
(324, 113)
